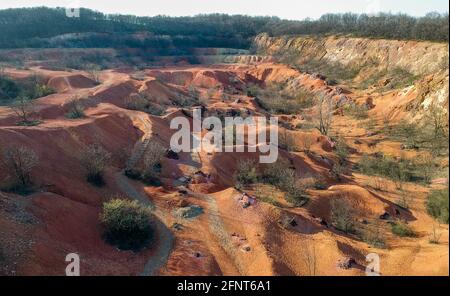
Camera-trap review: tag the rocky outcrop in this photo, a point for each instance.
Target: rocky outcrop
(374, 59)
(419, 58)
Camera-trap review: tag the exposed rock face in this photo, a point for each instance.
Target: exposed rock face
(419, 58)
(428, 61)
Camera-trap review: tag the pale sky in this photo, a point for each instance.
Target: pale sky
(287, 9)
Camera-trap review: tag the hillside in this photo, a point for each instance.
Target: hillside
(362, 148)
(414, 72)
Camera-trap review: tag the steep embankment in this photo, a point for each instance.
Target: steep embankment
(418, 58)
(374, 67)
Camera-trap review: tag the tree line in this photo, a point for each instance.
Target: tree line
(50, 27)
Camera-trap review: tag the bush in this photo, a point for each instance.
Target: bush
(342, 150)
(76, 109)
(401, 78)
(42, 90)
(399, 171)
(296, 197)
(246, 173)
(95, 159)
(342, 215)
(402, 229)
(277, 99)
(356, 111)
(333, 72)
(337, 171)
(267, 194)
(280, 176)
(140, 102)
(276, 173)
(372, 235)
(127, 224)
(152, 163)
(437, 205)
(8, 89)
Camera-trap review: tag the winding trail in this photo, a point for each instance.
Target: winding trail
(165, 238)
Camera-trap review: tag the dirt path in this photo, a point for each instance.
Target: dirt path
(218, 229)
(165, 238)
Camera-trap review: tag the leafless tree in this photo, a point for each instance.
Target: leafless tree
(152, 158)
(437, 118)
(23, 107)
(19, 161)
(325, 114)
(95, 159)
(342, 214)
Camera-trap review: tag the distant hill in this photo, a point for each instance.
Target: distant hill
(44, 27)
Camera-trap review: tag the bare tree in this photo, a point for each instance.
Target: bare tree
(152, 159)
(437, 118)
(95, 159)
(23, 107)
(20, 161)
(342, 214)
(325, 114)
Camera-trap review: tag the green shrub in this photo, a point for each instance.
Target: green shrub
(408, 133)
(419, 170)
(400, 78)
(277, 99)
(296, 197)
(246, 173)
(402, 229)
(8, 89)
(275, 173)
(282, 177)
(76, 109)
(334, 72)
(320, 185)
(140, 102)
(267, 194)
(437, 205)
(127, 224)
(42, 90)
